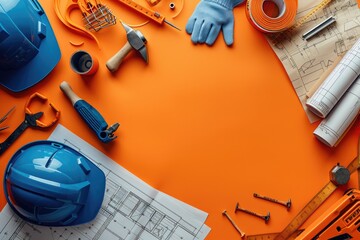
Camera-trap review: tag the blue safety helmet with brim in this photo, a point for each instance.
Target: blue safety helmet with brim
(48, 183)
(28, 47)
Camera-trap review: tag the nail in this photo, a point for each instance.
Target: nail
(242, 234)
(266, 218)
(287, 204)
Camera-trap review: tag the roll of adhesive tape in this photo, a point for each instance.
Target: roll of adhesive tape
(83, 63)
(271, 16)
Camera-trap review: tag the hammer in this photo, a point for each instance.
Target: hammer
(136, 41)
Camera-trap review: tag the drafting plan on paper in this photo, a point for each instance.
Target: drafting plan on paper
(334, 126)
(131, 210)
(305, 61)
(337, 83)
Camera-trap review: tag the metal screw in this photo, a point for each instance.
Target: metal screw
(242, 234)
(266, 217)
(286, 204)
(172, 5)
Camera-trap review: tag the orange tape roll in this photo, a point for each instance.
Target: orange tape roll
(271, 16)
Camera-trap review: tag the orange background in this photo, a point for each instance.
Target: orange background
(207, 125)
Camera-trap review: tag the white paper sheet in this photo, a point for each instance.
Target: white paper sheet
(337, 83)
(306, 61)
(335, 125)
(131, 208)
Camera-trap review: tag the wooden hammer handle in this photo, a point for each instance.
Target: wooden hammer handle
(65, 87)
(114, 62)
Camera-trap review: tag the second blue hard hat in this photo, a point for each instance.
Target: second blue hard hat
(29, 50)
(48, 183)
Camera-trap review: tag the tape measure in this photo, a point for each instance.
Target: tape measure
(282, 35)
(271, 236)
(305, 18)
(271, 16)
(264, 18)
(292, 229)
(147, 12)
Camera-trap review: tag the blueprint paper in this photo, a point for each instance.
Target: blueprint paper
(334, 126)
(337, 83)
(131, 210)
(306, 61)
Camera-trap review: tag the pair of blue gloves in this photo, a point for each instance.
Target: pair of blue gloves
(209, 18)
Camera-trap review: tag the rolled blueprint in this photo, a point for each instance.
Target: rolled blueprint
(335, 125)
(336, 84)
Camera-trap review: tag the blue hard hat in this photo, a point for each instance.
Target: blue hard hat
(28, 47)
(48, 183)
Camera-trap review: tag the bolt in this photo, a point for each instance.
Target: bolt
(266, 217)
(242, 234)
(339, 175)
(287, 204)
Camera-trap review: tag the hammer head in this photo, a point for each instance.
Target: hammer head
(137, 41)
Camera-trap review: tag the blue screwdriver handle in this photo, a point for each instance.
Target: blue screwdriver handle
(90, 115)
(93, 119)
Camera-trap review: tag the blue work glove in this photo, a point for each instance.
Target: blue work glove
(211, 16)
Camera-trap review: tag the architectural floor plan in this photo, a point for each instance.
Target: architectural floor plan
(131, 209)
(306, 60)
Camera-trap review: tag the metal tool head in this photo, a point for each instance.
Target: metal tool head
(98, 17)
(339, 175)
(32, 119)
(108, 134)
(137, 41)
(3, 118)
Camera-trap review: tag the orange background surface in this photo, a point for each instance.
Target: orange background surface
(207, 125)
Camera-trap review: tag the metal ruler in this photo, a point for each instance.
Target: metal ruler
(147, 12)
(282, 35)
(270, 236)
(305, 18)
(292, 230)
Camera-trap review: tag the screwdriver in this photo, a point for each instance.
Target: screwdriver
(149, 13)
(90, 115)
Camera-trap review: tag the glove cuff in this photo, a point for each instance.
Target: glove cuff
(229, 4)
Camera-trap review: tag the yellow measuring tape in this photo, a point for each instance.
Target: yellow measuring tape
(275, 16)
(282, 35)
(279, 36)
(270, 236)
(292, 229)
(147, 12)
(305, 18)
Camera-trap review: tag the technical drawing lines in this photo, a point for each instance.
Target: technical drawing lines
(131, 209)
(331, 129)
(306, 61)
(337, 83)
